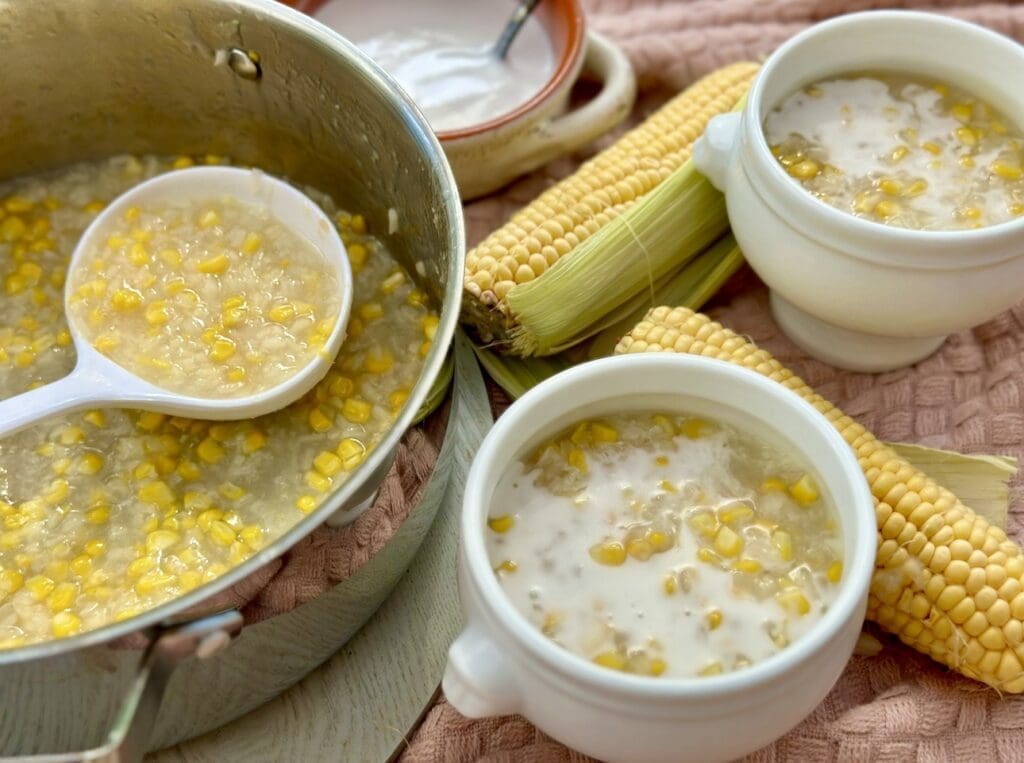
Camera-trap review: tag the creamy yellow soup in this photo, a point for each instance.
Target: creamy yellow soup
(902, 150)
(211, 298)
(111, 512)
(665, 545)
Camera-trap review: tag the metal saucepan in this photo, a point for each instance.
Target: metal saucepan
(89, 79)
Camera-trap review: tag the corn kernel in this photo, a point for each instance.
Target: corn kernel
(727, 542)
(704, 523)
(356, 256)
(65, 624)
(805, 170)
(713, 618)
(222, 349)
(214, 265)
(209, 218)
(712, 668)
(252, 536)
(783, 543)
(501, 524)
(252, 243)
(328, 463)
(735, 512)
(62, 596)
(39, 586)
(966, 135)
(392, 282)
(747, 565)
(834, 573)
(318, 421)
(152, 581)
(430, 324)
(669, 584)
(281, 313)
(306, 503)
(352, 452)
(961, 112)
(254, 440)
(397, 399)
(578, 460)
(356, 410)
(10, 582)
(97, 515)
(793, 600)
(640, 549)
(210, 451)
(612, 660)
(318, 481)
(157, 493)
(81, 565)
(379, 361)
(1007, 171)
(508, 566)
(610, 553)
(12, 229)
(221, 533)
(90, 463)
(804, 491)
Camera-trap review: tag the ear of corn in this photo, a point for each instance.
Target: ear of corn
(585, 246)
(692, 285)
(946, 582)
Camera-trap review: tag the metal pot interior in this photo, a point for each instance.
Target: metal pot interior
(257, 82)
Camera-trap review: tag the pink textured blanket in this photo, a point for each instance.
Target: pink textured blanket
(898, 705)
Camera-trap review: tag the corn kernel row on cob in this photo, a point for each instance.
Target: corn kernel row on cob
(946, 582)
(560, 219)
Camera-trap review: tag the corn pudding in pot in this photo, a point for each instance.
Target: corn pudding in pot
(106, 514)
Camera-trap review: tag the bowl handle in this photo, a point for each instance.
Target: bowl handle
(477, 680)
(713, 151)
(569, 132)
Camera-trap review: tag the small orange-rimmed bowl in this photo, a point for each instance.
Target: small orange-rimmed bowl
(486, 156)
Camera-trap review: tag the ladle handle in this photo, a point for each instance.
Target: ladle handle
(75, 392)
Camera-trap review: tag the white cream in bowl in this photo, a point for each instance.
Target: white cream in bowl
(440, 54)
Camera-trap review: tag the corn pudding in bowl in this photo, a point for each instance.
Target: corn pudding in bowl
(653, 548)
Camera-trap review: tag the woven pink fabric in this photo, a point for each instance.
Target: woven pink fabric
(898, 705)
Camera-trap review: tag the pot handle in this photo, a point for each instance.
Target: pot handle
(128, 740)
(569, 132)
(477, 680)
(713, 151)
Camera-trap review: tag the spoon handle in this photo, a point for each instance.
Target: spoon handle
(73, 393)
(511, 30)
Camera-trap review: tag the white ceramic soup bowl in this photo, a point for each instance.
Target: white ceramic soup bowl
(488, 155)
(852, 292)
(501, 664)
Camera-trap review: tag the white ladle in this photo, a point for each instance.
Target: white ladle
(99, 382)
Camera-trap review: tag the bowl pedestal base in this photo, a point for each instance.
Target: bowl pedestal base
(845, 348)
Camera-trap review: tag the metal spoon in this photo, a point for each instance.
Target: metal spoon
(97, 381)
(511, 30)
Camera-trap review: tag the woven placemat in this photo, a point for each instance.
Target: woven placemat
(897, 705)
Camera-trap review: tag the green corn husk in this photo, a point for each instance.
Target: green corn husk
(671, 225)
(692, 285)
(979, 481)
